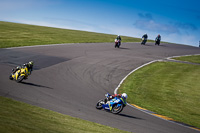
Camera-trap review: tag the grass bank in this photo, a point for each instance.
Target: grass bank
(18, 117)
(193, 59)
(15, 35)
(167, 88)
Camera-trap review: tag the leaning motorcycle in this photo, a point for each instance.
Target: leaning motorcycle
(115, 105)
(144, 40)
(19, 75)
(117, 43)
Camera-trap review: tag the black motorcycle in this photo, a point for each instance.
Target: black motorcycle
(144, 40)
(157, 41)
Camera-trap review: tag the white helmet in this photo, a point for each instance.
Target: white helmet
(124, 95)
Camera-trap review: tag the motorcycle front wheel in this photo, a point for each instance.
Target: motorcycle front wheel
(20, 78)
(116, 45)
(10, 77)
(117, 109)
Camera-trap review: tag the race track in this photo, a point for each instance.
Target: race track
(71, 78)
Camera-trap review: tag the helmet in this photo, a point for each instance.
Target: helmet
(118, 35)
(124, 95)
(31, 63)
(158, 34)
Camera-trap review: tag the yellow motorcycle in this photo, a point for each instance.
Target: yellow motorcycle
(20, 74)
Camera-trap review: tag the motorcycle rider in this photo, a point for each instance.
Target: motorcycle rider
(158, 39)
(144, 38)
(29, 65)
(109, 97)
(119, 39)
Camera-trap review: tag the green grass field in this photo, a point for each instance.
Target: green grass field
(167, 88)
(193, 59)
(18, 117)
(15, 35)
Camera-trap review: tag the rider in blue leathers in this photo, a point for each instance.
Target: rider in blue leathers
(109, 97)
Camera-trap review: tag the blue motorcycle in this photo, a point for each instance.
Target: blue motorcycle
(114, 105)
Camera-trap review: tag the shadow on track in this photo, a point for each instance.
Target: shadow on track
(124, 48)
(36, 85)
(148, 45)
(162, 45)
(128, 116)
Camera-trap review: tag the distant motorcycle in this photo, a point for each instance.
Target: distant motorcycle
(144, 40)
(20, 74)
(117, 43)
(114, 105)
(157, 41)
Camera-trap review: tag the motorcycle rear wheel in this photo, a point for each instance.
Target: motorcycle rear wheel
(99, 104)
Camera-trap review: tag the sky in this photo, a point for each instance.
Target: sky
(177, 21)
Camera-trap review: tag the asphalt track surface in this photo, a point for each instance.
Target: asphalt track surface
(71, 78)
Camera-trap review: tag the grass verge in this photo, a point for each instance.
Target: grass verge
(15, 35)
(167, 88)
(18, 117)
(193, 59)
